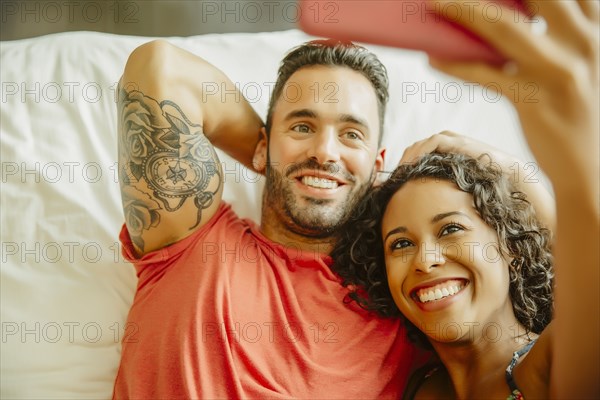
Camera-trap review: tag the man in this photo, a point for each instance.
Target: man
(225, 309)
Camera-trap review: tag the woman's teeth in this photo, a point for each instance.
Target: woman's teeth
(440, 291)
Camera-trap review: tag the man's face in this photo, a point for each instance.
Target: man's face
(322, 153)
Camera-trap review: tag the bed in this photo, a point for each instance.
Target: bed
(65, 289)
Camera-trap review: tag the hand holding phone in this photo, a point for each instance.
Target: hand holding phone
(411, 24)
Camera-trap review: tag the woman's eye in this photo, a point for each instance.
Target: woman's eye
(400, 244)
(302, 128)
(450, 228)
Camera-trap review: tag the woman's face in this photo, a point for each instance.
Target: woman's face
(444, 267)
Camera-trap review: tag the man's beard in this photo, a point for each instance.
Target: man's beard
(320, 217)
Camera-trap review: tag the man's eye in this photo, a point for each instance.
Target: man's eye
(450, 228)
(352, 135)
(302, 128)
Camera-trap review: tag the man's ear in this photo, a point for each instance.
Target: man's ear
(379, 165)
(259, 160)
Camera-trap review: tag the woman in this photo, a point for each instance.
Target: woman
(452, 246)
(458, 251)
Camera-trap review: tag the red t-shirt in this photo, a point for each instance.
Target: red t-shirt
(227, 313)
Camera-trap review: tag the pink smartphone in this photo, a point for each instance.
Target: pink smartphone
(409, 24)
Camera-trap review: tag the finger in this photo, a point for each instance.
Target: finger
(479, 72)
(444, 141)
(565, 19)
(591, 9)
(504, 80)
(449, 133)
(451, 142)
(418, 149)
(514, 39)
(409, 155)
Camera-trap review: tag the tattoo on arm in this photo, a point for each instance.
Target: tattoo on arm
(159, 145)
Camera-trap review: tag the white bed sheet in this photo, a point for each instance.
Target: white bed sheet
(65, 290)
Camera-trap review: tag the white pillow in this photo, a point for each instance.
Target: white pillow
(65, 290)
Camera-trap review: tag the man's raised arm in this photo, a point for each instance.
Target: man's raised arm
(170, 176)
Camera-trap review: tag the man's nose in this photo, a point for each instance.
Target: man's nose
(325, 147)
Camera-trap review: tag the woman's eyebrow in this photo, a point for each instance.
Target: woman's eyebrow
(399, 229)
(436, 218)
(441, 216)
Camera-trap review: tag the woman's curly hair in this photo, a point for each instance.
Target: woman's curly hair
(359, 254)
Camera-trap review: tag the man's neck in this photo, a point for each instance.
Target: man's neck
(278, 231)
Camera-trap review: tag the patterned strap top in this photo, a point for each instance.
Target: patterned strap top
(514, 390)
(419, 377)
